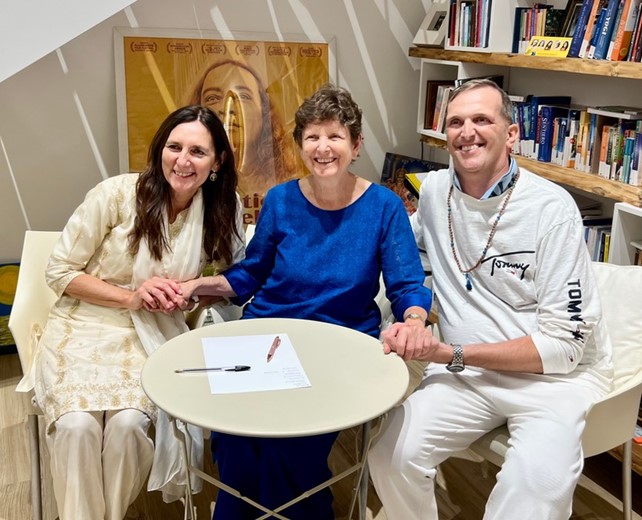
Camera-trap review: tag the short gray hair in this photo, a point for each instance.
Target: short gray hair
(507, 104)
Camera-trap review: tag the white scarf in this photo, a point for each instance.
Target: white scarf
(168, 472)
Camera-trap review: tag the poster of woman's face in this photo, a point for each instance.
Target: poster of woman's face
(255, 87)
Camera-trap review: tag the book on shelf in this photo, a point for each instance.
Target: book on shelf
(590, 29)
(627, 158)
(580, 27)
(569, 147)
(634, 177)
(431, 100)
(615, 28)
(604, 164)
(624, 31)
(617, 111)
(551, 46)
(546, 128)
(596, 237)
(531, 22)
(469, 23)
(532, 121)
(629, 29)
(443, 96)
(635, 37)
(606, 28)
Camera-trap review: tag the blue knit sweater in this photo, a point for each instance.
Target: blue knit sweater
(308, 263)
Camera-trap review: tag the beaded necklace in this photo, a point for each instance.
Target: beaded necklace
(466, 272)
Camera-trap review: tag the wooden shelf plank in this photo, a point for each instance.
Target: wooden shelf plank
(614, 69)
(589, 182)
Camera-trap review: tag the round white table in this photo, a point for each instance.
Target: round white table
(352, 382)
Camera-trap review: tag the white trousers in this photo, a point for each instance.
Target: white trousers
(99, 462)
(447, 412)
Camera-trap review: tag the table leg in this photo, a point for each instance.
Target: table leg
(234, 492)
(189, 505)
(365, 474)
(361, 489)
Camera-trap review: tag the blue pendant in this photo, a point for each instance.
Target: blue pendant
(469, 282)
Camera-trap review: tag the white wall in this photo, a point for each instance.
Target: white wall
(58, 132)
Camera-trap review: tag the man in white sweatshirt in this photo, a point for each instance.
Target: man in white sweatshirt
(521, 319)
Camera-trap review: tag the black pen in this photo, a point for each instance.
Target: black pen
(234, 368)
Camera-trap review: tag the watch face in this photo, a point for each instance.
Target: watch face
(454, 368)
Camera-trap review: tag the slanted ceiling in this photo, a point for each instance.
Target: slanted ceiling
(31, 29)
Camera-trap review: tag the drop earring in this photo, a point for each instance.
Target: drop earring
(213, 175)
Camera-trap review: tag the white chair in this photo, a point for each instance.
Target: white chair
(611, 421)
(29, 312)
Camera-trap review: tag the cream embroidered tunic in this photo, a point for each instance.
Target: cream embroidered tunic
(89, 357)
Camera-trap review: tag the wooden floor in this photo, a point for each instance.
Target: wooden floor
(466, 484)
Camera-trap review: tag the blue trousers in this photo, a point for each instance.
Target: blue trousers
(273, 472)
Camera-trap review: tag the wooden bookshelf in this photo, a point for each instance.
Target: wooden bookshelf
(588, 182)
(614, 69)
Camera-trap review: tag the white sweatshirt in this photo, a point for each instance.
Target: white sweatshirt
(536, 278)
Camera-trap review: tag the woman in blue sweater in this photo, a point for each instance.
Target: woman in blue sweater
(320, 245)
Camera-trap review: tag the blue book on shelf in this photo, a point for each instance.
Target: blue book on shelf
(534, 121)
(517, 29)
(580, 27)
(590, 52)
(604, 36)
(547, 115)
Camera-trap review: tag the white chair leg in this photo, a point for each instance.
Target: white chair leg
(627, 504)
(34, 448)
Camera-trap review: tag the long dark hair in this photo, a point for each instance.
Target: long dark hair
(219, 197)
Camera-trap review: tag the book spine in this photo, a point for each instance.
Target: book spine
(580, 28)
(617, 27)
(596, 32)
(604, 37)
(623, 29)
(590, 151)
(590, 28)
(637, 48)
(544, 138)
(634, 177)
(605, 149)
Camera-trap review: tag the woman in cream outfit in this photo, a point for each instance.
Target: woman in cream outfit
(116, 270)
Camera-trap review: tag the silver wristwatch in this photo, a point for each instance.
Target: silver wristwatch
(457, 364)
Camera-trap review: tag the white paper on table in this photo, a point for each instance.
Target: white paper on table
(284, 371)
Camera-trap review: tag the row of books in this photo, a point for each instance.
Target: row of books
(469, 22)
(608, 30)
(602, 140)
(597, 234)
(538, 20)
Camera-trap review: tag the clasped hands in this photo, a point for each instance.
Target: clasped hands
(163, 295)
(411, 341)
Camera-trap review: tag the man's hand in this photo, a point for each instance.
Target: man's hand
(410, 340)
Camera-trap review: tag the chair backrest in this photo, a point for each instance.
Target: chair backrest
(611, 420)
(33, 296)
(620, 288)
